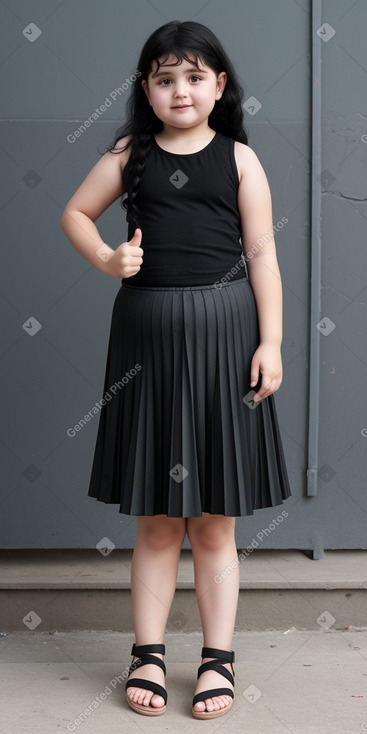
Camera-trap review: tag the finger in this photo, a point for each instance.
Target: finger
(266, 382)
(254, 373)
(264, 390)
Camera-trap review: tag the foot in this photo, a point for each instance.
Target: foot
(150, 672)
(212, 679)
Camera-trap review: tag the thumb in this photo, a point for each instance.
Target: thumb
(136, 238)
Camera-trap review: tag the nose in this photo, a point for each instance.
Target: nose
(180, 89)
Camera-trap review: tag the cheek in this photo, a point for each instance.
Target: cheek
(203, 96)
(206, 90)
(158, 97)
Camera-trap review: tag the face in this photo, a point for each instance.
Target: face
(183, 96)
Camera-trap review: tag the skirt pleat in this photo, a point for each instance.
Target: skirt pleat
(175, 435)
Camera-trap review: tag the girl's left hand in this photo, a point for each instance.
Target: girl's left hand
(267, 361)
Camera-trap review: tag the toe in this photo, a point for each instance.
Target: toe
(131, 693)
(216, 703)
(157, 701)
(145, 697)
(199, 706)
(147, 700)
(141, 697)
(224, 701)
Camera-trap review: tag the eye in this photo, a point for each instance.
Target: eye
(161, 83)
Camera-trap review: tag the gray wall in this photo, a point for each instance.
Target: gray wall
(49, 86)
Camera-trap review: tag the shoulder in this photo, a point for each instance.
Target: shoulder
(121, 151)
(246, 160)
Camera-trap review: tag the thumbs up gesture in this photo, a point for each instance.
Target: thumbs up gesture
(127, 259)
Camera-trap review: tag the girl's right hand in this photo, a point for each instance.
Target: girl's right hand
(127, 259)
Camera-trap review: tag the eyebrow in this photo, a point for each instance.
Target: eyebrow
(166, 73)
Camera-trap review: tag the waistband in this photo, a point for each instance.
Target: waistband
(218, 285)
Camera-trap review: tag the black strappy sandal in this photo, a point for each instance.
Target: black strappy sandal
(225, 657)
(142, 652)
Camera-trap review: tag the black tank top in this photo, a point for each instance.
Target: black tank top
(190, 222)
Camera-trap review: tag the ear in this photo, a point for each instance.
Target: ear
(221, 83)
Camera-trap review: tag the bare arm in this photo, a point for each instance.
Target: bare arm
(254, 202)
(101, 187)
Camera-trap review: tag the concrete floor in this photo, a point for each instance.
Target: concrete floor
(291, 682)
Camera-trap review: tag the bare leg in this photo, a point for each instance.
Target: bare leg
(213, 546)
(153, 582)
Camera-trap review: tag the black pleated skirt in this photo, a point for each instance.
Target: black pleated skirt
(178, 431)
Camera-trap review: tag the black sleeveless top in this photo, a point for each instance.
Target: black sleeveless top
(190, 222)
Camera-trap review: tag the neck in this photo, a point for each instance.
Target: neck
(177, 135)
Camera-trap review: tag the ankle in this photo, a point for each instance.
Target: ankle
(226, 665)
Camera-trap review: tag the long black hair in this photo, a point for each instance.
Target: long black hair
(179, 39)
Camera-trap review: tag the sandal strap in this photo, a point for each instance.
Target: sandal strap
(137, 650)
(145, 658)
(143, 653)
(148, 660)
(213, 652)
(149, 685)
(218, 667)
(212, 692)
(227, 657)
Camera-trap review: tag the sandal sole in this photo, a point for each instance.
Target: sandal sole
(146, 710)
(211, 714)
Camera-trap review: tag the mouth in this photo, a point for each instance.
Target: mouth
(182, 106)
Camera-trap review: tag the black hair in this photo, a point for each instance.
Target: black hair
(179, 39)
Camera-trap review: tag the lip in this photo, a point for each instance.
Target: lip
(182, 107)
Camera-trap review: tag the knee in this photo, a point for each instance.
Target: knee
(163, 534)
(211, 535)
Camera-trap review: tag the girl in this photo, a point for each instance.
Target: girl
(184, 443)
